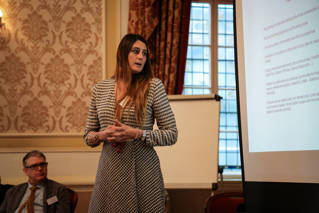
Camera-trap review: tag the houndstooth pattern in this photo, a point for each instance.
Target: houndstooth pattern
(130, 181)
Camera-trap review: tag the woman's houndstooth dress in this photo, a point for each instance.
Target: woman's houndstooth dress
(131, 180)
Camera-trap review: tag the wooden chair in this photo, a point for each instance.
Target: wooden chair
(73, 198)
(227, 202)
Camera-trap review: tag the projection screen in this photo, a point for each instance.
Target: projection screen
(278, 82)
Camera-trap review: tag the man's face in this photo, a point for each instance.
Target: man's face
(37, 169)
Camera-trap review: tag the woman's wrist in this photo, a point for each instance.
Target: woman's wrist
(94, 137)
(143, 137)
(138, 134)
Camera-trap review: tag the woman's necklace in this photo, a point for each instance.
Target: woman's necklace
(121, 100)
(120, 93)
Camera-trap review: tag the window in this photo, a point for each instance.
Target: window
(199, 72)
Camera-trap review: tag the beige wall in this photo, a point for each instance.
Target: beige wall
(54, 123)
(51, 56)
(116, 28)
(70, 160)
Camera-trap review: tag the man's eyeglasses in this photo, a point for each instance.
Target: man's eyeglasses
(137, 50)
(37, 165)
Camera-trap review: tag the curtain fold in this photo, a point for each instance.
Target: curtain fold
(165, 25)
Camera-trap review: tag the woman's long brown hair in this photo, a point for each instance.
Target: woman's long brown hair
(138, 84)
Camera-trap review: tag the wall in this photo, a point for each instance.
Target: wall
(51, 57)
(52, 54)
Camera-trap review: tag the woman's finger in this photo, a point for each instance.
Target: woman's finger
(117, 123)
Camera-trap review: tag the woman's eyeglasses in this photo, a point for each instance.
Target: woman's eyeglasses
(37, 165)
(137, 50)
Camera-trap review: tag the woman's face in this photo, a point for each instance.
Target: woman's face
(137, 56)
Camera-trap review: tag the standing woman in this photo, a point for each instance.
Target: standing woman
(121, 116)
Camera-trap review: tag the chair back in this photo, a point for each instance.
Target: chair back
(227, 202)
(3, 189)
(73, 198)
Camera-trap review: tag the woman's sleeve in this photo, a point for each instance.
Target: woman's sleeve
(92, 123)
(166, 134)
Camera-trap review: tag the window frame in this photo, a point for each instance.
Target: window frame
(214, 54)
(214, 40)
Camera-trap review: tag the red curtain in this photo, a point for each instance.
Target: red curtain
(165, 25)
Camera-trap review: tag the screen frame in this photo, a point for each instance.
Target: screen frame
(267, 195)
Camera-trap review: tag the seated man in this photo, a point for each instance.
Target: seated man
(39, 194)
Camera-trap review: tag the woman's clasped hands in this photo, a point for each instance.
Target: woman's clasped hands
(119, 133)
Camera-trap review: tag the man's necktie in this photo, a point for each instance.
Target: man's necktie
(30, 202)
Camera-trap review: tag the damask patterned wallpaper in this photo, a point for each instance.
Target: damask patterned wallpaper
(51, 55)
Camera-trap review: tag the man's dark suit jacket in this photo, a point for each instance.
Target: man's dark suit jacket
(51, 188)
